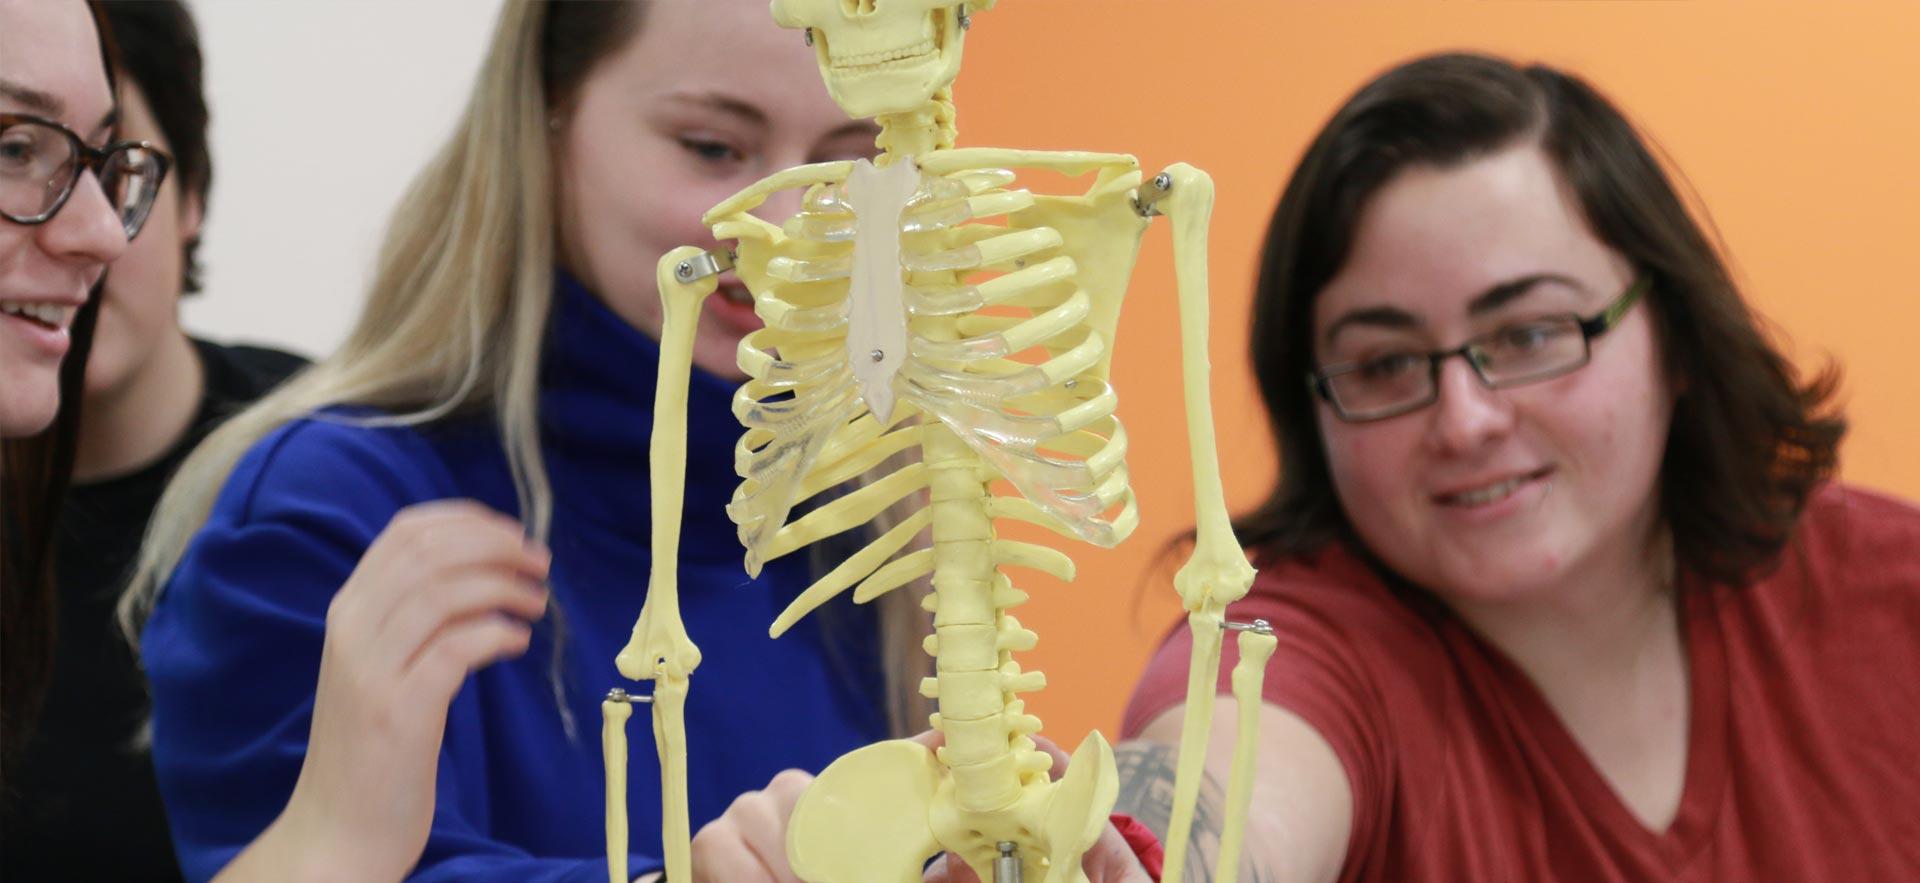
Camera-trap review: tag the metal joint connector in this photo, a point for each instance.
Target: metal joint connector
(618, 695)
(711, 263)
(1258, 627)
(1006, 868)
(1145, 203)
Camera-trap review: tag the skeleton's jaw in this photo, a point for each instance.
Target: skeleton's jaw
(895, 70)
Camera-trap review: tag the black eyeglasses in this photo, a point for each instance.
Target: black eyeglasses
(1513, 355)
(41, 162)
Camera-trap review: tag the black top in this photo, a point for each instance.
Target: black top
(84, 806)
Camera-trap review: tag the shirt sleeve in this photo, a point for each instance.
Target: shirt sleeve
(233, 651)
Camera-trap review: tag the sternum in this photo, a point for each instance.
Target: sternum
(973, 688)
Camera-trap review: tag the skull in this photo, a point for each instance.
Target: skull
(882, 56)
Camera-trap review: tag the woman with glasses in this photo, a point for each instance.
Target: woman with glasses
(1562, 588)
(151, 394)
(70, 199)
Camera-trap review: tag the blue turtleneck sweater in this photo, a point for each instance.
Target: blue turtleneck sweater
(233, 648)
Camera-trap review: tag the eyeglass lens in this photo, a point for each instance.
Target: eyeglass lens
(39, 167)
(1510, 356)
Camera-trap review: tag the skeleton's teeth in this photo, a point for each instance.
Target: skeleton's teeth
(46, 314)
(924, 47)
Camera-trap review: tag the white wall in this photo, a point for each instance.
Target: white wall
(323, 110)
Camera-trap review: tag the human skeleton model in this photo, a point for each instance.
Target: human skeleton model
(898, 318)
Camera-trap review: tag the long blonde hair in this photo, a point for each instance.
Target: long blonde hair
(454, 320)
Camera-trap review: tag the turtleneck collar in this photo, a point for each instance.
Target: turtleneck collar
(598, 375)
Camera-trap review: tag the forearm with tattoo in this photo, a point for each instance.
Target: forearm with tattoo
(1147, 771)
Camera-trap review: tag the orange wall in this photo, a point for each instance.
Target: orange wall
(1798, 124)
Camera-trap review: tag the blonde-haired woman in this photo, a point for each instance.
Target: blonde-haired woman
(405, 512)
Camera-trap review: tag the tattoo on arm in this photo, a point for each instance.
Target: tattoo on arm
(1147, 773)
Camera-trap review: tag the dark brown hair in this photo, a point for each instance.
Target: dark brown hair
(34, 472)
(159, 51)
(1748, 441)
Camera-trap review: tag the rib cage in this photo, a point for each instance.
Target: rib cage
(1005, 348)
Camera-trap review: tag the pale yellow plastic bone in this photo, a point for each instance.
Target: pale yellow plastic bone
(982, 411)
(1217, 573)
(613, 747)
(1249, 674)
(659, 649)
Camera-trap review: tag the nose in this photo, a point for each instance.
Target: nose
(1467, 415)
(87, 230)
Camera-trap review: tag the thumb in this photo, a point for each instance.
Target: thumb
(950, 869)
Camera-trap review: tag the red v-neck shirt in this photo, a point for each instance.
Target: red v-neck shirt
(1803, 756)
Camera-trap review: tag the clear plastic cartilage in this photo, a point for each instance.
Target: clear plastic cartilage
(934, 190)
(811, 320)
(943, 302)
(755, 412)
(981, 388)
(940, 216)
(779, 375)
(966, 257)
(775, 472)
(827, 199)
(969, 349)
(792, 269)
(1067, 489)
(816, 227)
(982, 180)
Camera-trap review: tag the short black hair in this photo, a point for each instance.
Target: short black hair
(160, 54)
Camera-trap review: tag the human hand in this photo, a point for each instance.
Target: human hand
(448, 587)
(748, 842)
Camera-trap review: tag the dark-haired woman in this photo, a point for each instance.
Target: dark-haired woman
(1563, 589)
(151, 394)
(70, 198)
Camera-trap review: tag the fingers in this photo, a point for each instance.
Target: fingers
(950, 869)
(418, 614)
(435, 563)
(748, 843)
(1060, 758)
(1110, 860)
(450, 535)
(458, 648)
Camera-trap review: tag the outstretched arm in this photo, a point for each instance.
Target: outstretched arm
(1302, 804)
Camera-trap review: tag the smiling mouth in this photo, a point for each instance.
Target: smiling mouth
(736, 292)
(52, 316)
(1492, 493)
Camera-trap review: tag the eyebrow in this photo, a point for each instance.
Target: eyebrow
(1485, 302)
(48, 105)
(749, 113)
(43, 103)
